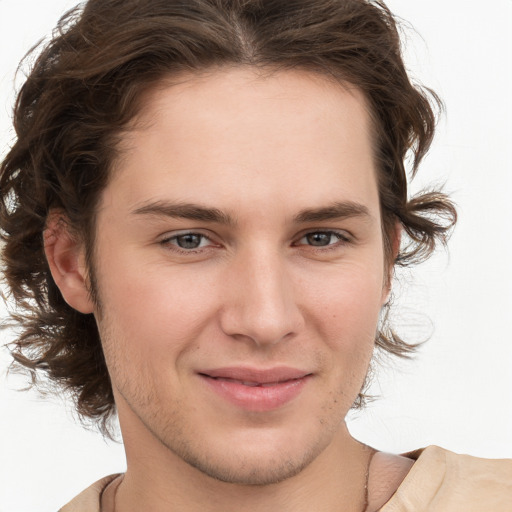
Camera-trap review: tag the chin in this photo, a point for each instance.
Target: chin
(251, 461)
(250, 472)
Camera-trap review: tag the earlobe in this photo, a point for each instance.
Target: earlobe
(67, 263)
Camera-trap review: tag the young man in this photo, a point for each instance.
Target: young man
(213, 195)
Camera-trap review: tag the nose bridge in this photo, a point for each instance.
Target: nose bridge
(261, 303)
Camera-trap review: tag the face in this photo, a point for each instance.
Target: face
(240, 270)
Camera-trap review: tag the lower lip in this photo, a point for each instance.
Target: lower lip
(257, 398)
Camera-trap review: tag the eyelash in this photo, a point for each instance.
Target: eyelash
(167, 242)
(342, 239)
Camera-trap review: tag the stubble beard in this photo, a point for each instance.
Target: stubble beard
(242, 469)
(239, 469)
(245, 467)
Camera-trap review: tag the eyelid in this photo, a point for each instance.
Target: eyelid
(186, 231)
(168, 237)
(343, 236)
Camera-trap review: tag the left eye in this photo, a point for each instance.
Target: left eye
(321, 238)
(188, 241)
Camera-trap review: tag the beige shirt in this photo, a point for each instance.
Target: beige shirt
(439, 481)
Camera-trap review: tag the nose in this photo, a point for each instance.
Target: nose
(260, 300)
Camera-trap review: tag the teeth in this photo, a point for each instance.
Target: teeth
(251, 384)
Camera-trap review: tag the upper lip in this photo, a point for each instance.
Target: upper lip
(261, 376)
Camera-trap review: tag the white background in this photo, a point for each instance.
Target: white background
(458, 391)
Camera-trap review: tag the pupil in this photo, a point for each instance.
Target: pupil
(189, 241)
(319, 239)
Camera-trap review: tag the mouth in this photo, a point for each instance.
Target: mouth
(251, 384)
(256, 390)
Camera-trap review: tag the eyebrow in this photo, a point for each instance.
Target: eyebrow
(191, 211)
(335, 211)
(188, 211)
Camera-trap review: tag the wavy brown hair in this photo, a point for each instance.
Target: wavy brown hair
(85, 87)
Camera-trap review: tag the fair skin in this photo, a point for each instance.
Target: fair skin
(240, 270)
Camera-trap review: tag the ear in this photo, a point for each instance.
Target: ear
(396, 238)
(66, 259)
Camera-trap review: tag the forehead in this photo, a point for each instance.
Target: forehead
(289, 136)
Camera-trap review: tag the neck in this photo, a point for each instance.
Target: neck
(156, 479)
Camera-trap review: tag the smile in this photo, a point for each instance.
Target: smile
(251, 383)
(256, 390)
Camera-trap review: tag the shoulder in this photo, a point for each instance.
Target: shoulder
(453, 482)
(386, 473)
(89, 499)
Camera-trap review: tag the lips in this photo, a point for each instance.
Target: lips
(256, 390)
(250, 383)
(257, 376)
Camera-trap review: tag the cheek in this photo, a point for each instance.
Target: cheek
(345, 317)
(152, 323)
(155, 312)
(351, 338)
(346, 304)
